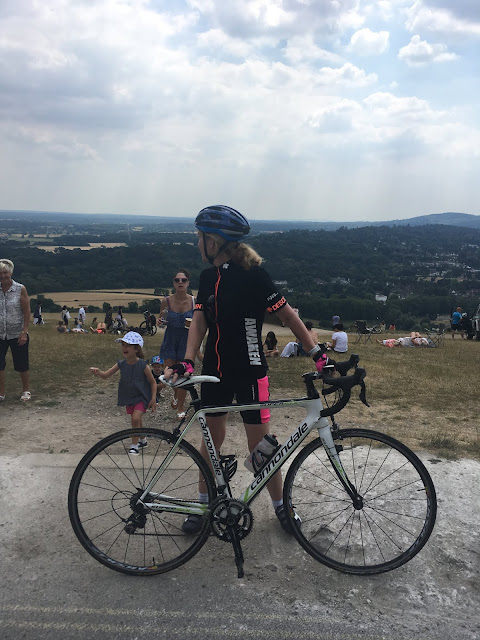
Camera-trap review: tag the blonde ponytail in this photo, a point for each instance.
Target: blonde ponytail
(237, 252)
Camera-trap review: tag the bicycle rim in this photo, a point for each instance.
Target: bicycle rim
(399, 503)
(106, 484)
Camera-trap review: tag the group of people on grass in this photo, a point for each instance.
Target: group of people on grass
(338, 343)
(413, 340)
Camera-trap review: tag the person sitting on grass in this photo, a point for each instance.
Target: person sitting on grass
(137, 388)
(270, 345)
(339, 342)
(98, 327)
(61, 328)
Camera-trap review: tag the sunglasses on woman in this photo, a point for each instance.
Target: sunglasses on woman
(180, 279)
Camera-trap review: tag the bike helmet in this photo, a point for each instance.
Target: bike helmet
(223, 220)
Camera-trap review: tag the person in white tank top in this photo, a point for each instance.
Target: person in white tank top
(339, 339)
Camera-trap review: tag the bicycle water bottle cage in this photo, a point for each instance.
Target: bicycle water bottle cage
(229, 465)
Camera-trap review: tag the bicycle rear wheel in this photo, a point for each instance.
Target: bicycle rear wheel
(399, 503)
(104, 491)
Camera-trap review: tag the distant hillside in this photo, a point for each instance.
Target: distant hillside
(182, 224)
(449, 218)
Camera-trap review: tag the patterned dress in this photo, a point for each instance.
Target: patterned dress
(174, 342)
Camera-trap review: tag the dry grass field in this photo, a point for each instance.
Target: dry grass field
(115, 297)
(427, 398)
(92, 245)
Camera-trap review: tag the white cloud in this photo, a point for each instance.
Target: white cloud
(369, 43)
(422, 17)
(303, 49)
(216, 42)
(420, 52)
(281, 18)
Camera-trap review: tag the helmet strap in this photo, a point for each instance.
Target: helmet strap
(209, 257)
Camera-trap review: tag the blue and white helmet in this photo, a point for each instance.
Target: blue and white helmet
(225, 221)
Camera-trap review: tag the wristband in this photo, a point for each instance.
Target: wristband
(314, 350)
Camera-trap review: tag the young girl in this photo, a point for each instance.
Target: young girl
(137, 388)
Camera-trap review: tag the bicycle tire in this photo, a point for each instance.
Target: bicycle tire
(103, 487)
(143, 328)
(399, 503)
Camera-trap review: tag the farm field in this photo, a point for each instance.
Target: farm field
(92, 245)
(97, 297)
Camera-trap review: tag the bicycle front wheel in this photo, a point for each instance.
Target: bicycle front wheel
(391, 524)
(103, 495)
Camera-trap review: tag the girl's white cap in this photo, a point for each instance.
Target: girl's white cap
(132, 337)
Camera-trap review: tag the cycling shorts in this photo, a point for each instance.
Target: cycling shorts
(244, 391)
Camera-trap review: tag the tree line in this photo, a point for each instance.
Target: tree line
(322, 272)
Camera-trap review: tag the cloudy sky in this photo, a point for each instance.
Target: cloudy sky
(284, 109)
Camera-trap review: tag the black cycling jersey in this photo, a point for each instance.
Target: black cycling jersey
(234, 302)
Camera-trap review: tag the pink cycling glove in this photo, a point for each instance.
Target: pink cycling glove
(181, 368)
(320, 359)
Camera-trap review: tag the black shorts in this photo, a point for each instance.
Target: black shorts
(19, 354)
(243, 390)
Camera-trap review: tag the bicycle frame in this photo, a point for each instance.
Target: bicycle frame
(312, 421)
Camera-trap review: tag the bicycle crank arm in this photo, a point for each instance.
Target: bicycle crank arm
(237, 547)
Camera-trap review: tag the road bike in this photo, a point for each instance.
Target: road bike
(366, 503)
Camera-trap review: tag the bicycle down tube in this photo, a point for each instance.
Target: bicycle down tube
(313, 406)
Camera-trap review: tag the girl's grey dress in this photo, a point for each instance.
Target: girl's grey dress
(133, 386)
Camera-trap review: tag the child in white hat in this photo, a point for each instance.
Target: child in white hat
(137, 388)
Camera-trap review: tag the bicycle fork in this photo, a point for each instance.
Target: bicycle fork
(333, 451)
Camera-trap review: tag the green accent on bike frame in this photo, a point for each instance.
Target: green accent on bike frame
(191, 509)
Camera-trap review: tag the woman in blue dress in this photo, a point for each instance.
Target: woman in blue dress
(177, 309)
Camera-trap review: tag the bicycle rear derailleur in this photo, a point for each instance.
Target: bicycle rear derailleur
(231, 521)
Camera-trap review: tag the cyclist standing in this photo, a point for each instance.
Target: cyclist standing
(232, 299)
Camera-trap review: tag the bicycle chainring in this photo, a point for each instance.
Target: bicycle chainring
(227, 515)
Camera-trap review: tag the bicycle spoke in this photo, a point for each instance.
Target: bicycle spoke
(111, 522)
(388, 523)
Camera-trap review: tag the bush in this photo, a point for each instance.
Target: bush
(47, 304)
